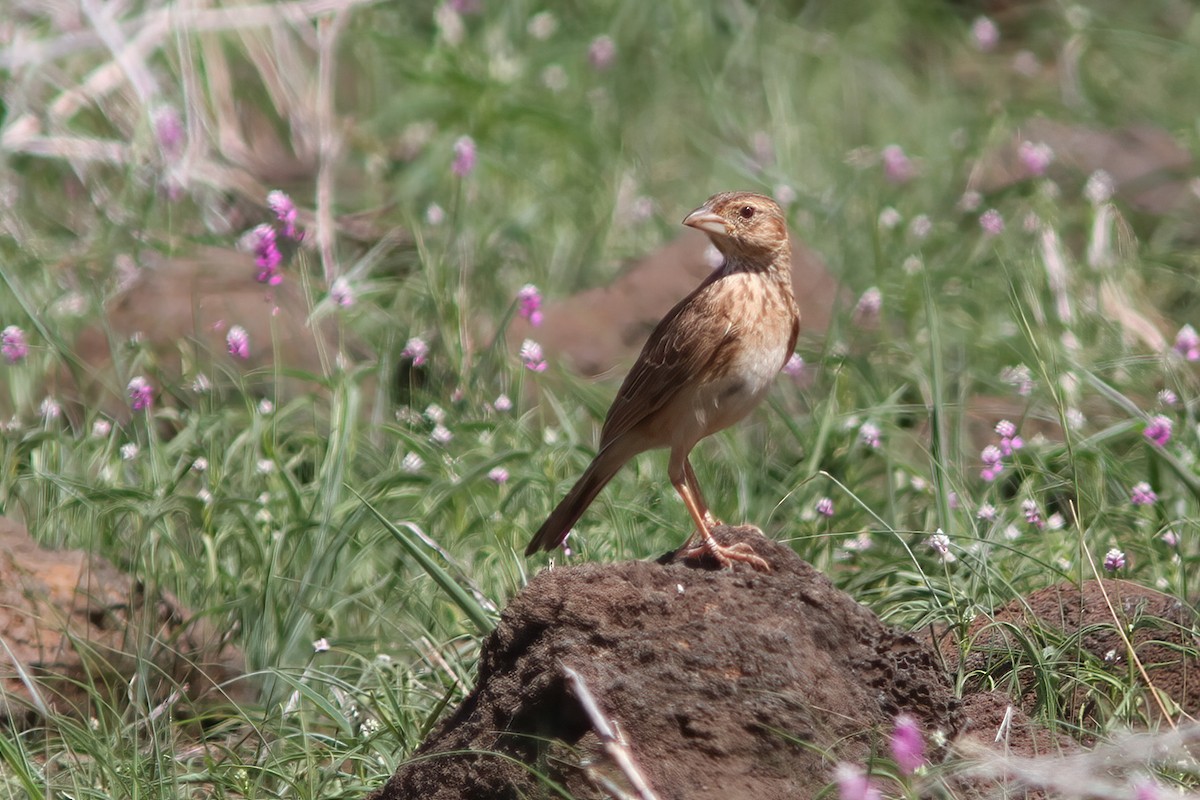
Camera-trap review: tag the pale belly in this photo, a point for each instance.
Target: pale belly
(723, 402)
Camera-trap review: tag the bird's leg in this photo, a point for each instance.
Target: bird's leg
(724, 554)
(689, 476)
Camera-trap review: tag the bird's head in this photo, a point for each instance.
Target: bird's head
(742, 224)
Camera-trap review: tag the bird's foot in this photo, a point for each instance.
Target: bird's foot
(723, 554)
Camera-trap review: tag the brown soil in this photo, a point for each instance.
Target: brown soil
(181, 310)
(70, 620)
(1077, 626)
(725, 683)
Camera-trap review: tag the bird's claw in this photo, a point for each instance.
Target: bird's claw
(724, 554)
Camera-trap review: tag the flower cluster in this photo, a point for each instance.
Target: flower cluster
(341, 293)
(1009, 440)
(1035, 157)
(866, 311)
(415, 349)
(141, 395)
(794, 367)
(529, 304)
(853, 784)
(1033, 514)
(13, 345)
(1158, 430)
(464, 156)
(984, 34)
(907, 744)
(266, 255)
(825, 507)
(1019, 377)
(238, 342)
(993, 463)
(994, 454)
(869, 434)
(1187, 343)
(1114, 560)
(992, 222)
(940, 543)
(1143, 495)
(897, 166)
(602, 52)
(532, 356)
(285, 212)
(264, 241)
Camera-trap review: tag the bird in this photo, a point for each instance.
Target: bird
(707, 364)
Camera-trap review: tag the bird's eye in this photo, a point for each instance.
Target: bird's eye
(746, 212)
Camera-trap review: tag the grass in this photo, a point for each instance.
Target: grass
(341, 518)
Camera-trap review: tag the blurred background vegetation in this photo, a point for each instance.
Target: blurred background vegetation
(595, 127)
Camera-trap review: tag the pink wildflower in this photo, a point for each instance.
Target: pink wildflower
(285, 211)
(141, 395)
(897, 167)
(940, 543)
(1035, 157)
(794, 367)
(853, 784)
(341, 293)
(907, 745)
(1187, 343)
(869, 434)
(416, 349)
(13, 345)
(825, 507)
(498, 475)
(1009, 441)
(168, 130)
(529, 304)
(984, 34)
(991, 222)
(532, 356)
(238, 342)
(1033, 514)
(266, 255)
(1158, 431)
(866, 311)
(1143, 495)
(602, 52)
(1114, 560)
(992, 464)
(464, 156)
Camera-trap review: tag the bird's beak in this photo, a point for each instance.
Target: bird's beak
(707, 220)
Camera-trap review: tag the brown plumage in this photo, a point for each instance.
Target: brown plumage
(707, 364)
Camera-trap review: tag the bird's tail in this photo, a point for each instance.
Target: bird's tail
(555, 529)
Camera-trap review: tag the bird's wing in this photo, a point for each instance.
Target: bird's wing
(791, 348)
(687, 340)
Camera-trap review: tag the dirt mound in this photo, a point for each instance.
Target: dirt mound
(70, 620)
(726, 684)
(1075, 626)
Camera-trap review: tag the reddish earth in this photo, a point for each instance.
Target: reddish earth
(70, 620)
(1080, 629)
(725, 683)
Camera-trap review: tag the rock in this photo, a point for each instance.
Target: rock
(181, 310)
(1150, 169)
(597, 329)
(69, 620)
(726, 684)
